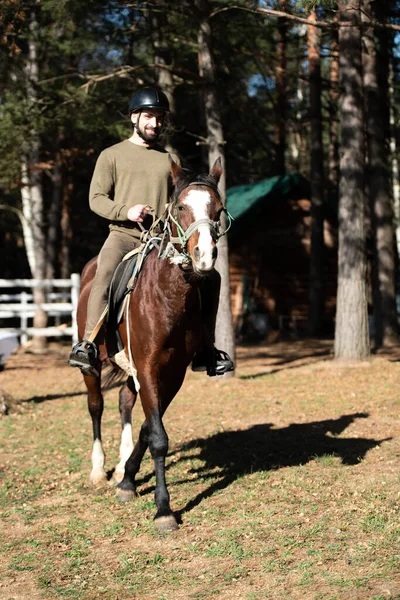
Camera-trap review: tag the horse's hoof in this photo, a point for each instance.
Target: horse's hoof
(125, 495)
(166, 524)
(98, 479)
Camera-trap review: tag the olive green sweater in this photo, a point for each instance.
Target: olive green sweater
(127, 174)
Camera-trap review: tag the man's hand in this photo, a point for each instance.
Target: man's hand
(138, 212)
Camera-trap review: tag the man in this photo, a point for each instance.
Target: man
(135, 169)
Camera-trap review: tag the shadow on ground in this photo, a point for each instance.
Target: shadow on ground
(278, 357)
(263, 448)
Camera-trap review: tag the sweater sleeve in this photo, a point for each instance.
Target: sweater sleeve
(101, 193)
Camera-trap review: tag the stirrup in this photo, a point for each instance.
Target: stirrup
(84, 355)
(214, 361)
(222, 364)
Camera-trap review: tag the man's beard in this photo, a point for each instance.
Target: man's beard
(148, 137)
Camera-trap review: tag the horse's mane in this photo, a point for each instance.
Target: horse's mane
(189, 178)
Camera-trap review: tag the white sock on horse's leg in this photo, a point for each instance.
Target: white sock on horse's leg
(125, 450)
(98, 474)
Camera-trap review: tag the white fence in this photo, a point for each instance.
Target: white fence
(61, 304)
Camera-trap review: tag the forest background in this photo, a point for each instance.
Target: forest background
(271, 86)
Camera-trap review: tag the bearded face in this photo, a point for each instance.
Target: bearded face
(148, 124)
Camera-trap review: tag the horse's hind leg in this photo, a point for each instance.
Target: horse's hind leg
(98, 475)
(127, 399)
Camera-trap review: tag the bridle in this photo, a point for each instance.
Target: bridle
(166, 242)
(184, 235)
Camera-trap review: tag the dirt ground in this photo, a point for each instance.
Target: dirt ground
(251, 361)
(285, 479)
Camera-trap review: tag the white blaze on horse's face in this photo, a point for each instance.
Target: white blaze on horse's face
(204, 253)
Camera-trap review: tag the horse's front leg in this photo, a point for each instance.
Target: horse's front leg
(154, 436)
(98, 475)
(126, 489)
(158, 443)
(127, 399)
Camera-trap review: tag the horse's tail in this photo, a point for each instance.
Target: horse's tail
(112, 374)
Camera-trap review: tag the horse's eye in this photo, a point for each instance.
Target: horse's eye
(180, 207)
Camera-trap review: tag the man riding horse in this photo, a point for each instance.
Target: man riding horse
(138, 168)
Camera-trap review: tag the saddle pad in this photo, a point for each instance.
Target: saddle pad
(116, 295)
(119, 283)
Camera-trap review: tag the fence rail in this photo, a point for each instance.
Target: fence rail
(22, 306)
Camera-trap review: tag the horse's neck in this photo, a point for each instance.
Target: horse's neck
(181, 279)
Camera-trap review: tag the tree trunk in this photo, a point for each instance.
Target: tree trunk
(376, 74)
(26, 205)
(53, 219)
(162, 57)
(31, 191)
(32, 209)
(295, 130)
(351, 333)
(66, 231)
(224, 333)
(130, 54)
(280, 73)
(333, 120)
(316, 284)
(394, 160)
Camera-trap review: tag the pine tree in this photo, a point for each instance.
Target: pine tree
(351, 333)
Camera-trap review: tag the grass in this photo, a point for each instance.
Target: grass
(286, 482)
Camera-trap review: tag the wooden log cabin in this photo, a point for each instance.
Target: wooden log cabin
(269, 244)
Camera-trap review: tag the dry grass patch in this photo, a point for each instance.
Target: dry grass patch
(286, 480)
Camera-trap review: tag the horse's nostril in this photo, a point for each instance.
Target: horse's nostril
(196, 253)
(215, 253)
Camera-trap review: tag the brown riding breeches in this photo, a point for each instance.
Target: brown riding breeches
(114, 249)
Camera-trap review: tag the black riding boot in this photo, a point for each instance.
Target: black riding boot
(208, 358)
(84, 355)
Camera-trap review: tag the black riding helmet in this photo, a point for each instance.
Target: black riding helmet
(148, 98)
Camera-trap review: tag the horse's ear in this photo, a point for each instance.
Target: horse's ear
(176, 171)
(216, 170)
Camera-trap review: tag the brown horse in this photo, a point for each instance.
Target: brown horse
(161, 330)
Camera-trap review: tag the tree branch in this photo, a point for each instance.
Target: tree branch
(125, 70)
(18, 212)
(269, 12)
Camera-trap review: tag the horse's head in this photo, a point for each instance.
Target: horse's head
(195, 212)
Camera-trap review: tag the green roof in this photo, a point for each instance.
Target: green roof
(241, 198)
